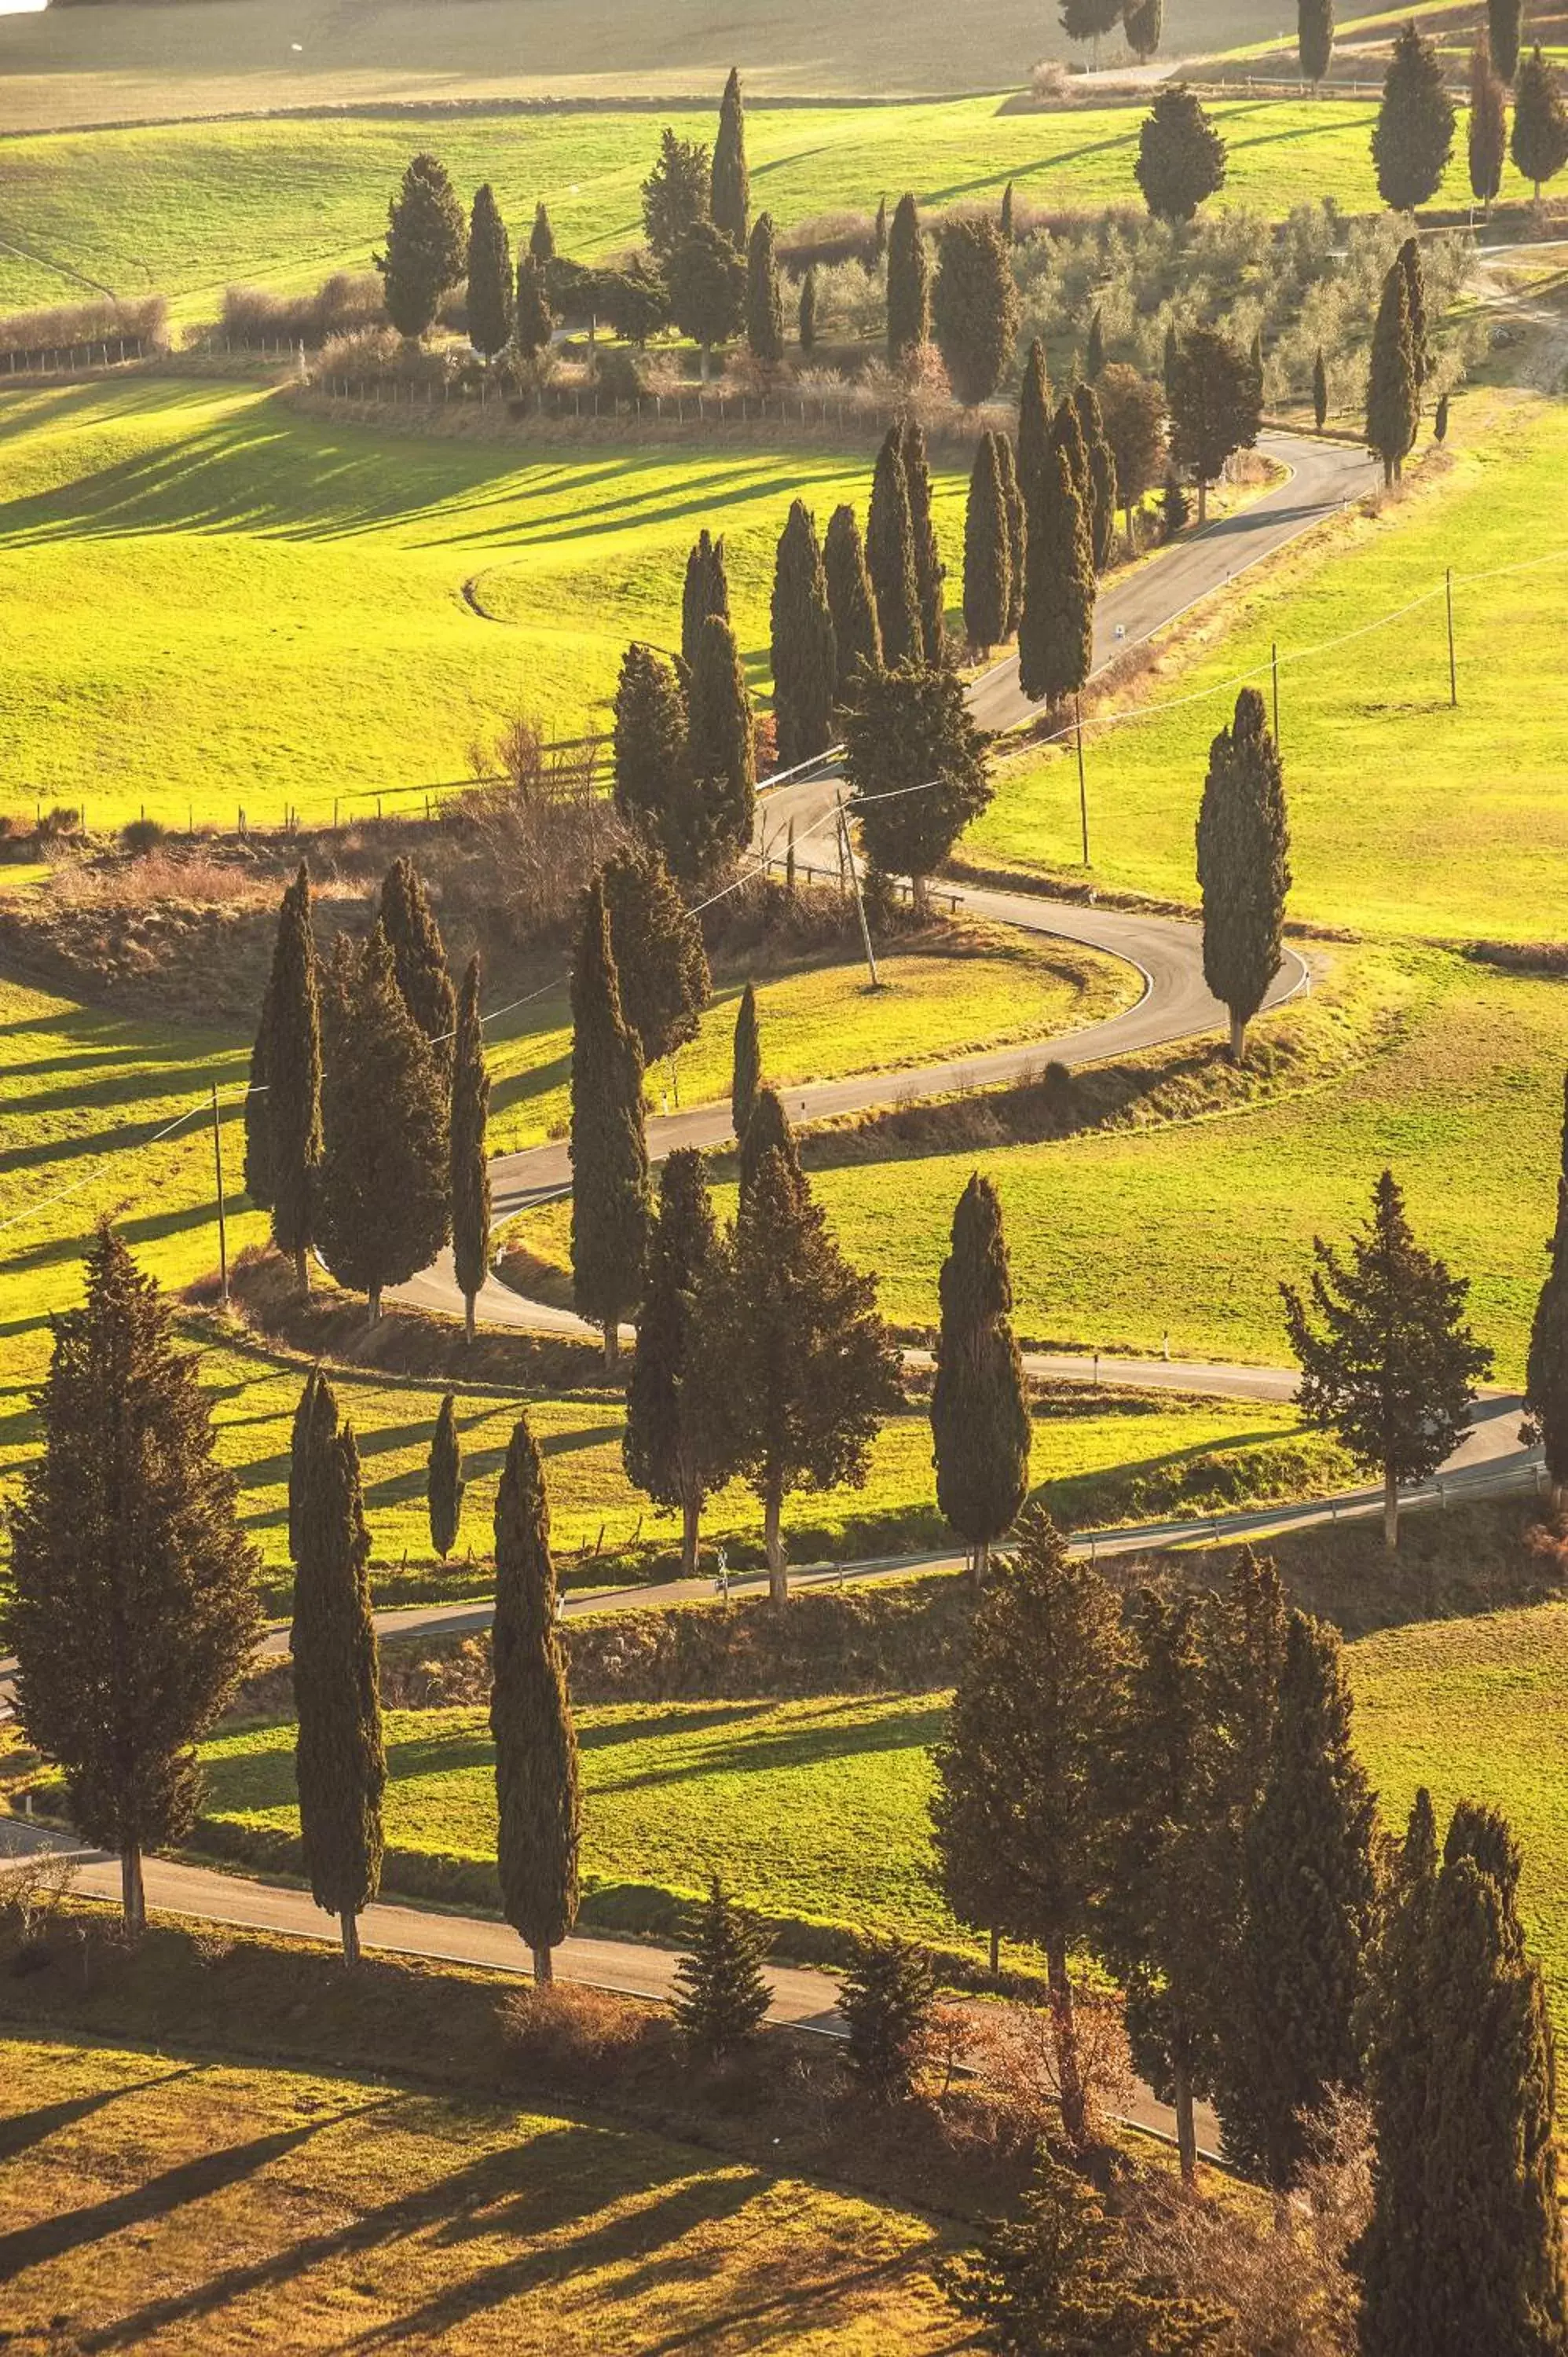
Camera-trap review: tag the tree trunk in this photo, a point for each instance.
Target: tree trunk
(543, 1967)
(995, 1954)
(1069, 2075)
(612, 1344)
(468, 1317)
(1185, 2125)
(1557, 1497)
(707, 349)
(772, 1512)
(350, 1923)
(1391, 1508)
(979, 1564)
(690, 1524)
(1202, 501)
(374, 1303)
(133, 1898)
(1238, 1038)
(920, 894)
(302, 1269)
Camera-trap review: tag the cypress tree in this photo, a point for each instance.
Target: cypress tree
(339, 1756)
(660, 963)
(763, 301)
(609, 1150)
(1017, 531)
(908, 287)
(805, 658)
(1170, 360)
(538, 1804)
(1243, 866)
(747, 1068)
(533, 321)
(1144, 22)
(426, 247)
(1314, 37)
(975, 308)
(766, 1132)
(1004, 222)
(731, 200)
(1181, 156)
(880, 231)
(258, 1115)
(443, 1483)
(542, 238)
(1414, 135)
(1540, 143)
(722, 1998)
(1393, 401)
(492, 296)
(1440, 419)
(299, 1461)
(1505, 23)
(132, 1604)
(470, 1170)
(1487, 136)
(1034, 423)
(931, 572)
(852, 602)
(1094, 354)
(419, 957)
(668, 1447)
(980, 1426)
(1308, 1914)
(649, 746)
(1068, 435)
(720, 743)
(806, 318)
(1395, 2031)
(1546, 1371)
(292, 1064)
(1415, 292)
(1055, 635)
(705, 592)
(384, 1210)
(1101, 475)
(890, 555)
(1319, 392)
(987, 551)
(919, 767)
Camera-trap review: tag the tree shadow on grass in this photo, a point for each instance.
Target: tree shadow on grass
(26, 2129)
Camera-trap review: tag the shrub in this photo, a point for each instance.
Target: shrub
(341, 306)
(142, 835)
(35, 332)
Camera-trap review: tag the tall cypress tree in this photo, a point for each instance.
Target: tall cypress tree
(721, 753)
(1540, 143)
(1505, 23)
(1487, 132)
(649, 746)
(419, 957)
(908, 287)
(764, 299)
(746, 1069)
(538, 1804)
(987, 550)
(492, 294)
(1319, 392)
(660, 963)
(805, 317)
(1056, 634)
(668, 1445)
(1415, 293)
(1034, 423)
(443, 1483)
(731, 201)
(1094, 349)
(974, 309)
(1395, 2031)
(1414, 135)
(1017, 531)
(1393, 400)
(1102, 513)
(930, 571)
(533, 321)
(609, 1150)
(426, 246)
(805, 657)
(852, 602)
(292, 1064)
(1144, 22)
(704, 592)
(339, 1756)
(133, 1587)
(980, 1399)
(890, 555)
(542, 237)
(1243, 866)
(766, 1132)
(1314, 37)
(1067, 437)
(471, 1168)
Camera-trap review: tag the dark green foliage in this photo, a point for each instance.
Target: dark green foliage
(1132, 412)
(292, 1013)
(908, 286)
(890, 555)
(542, 238)
(1175, 506)
(609, 1149)
(340, 1758)
(469, 1153)
(299, 1461)
(1505, 22)
(384, 1211)
(492, 296)
(1094, 351)
(1314, 37)
(1319, 392)
(1394, 2029)
(1068, 435)
(886, 1999)
(746, 1069)
(1540, 143)
(805, 658)
(649, 755)
(1393, 1369)
(1415, 292)
(660, 963)
(764, 301)
(987, 551)
(1171, 360)
(419, 957)
(426, 246)
(132, 1606)
(879, 231)
(1487, 132)
(258, 1115)
(1243, 867)
(852, 602)
(1216, 404)
(533, 322)
(1414, 135)
(767, 1131)
(707, 282)
(720, 746)
(1055, 635)
(443, 1483)
(1085, 20)
(980, 1426)
(1546, 1371)
(538, 1804)
(1393, 396)
(1004, 222)
(1017, 531)
(1034, 422)
(910, 729)
(931, 574)
(1307, 1915)
(731, 189)
(705, 591)
(975, 308)
(806, 317)
(1181, 156)
(1440, 419)
(667, 1448)
(675, 195)
(722, 1999)
(1144, 22)
(1101, 475)
(636, 301)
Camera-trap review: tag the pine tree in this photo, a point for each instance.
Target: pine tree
(1393, 400)
(542, 238)
(1217, 407)
(533, 321)
(676, 196)
(1034, 424)
(649, 773)
(705, 591)
(131, 1604)
(722, 1999)
(443, 1483)
(980, 1425)
(908, 287)
(609, 1149)
(731, 198)
(886, 1999)
(1413, 137)
(931, 572)
(668, 1447)
(656, 944)
(805, 658)
(1101, 516)
(918, 767)
(1546, 1370)
(1540, 143)
(852, 603)
(1017, 531)
(764, 299)
(707, 280)
(1004, 222)
(1308, 1917)
(806, 318)
(1314, 37)
(1395, 2033)
(747, 1068)
(419, 957)
(1056, 636)
(1393, 1368)
(492, 294)
(1018, 1770)
(299, 1461)
(384, 1211)
(1505, 23)
(975, 308)
(1243, 866)
(1181, 156)
(426, 247)
(1144, 22)
(339, 1756)
(538, 1802)
(292, 1061)
(987, 551)
(470, 1170)
(1486, 136)
(720, 744)
(1319, 392)
(1094, 351)
(890, 555)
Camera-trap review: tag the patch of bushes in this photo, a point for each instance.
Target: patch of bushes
(33, 334)
(341, 306)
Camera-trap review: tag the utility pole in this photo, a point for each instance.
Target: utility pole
(1452, 671)
(222, 1220)
(846, 856)
(1275, 666)
(1082, 789)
